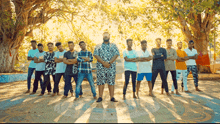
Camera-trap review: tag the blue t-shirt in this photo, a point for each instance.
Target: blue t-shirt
(40, 66)
(130, 66)
(60, 67)
(31, 54)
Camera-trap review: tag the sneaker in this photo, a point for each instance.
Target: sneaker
(99, 99)
(113, 99)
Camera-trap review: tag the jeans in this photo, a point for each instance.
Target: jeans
(194, 70)
(173, 73)
(57, 81)
(38, 74)
(68, 84)
(47, 83)
(89, 77)
(184, 75)
(30, 72)
(162, 76)
(127, 77)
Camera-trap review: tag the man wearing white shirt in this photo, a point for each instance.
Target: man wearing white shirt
(191, 63)
(32, 65)
(60, 67)
(144, 67)
(130, 66)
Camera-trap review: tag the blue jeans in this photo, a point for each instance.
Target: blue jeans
(68, 84)
(127, 77)
(30, 72)
(89, 77)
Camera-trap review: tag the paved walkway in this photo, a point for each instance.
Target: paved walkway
(15, 106)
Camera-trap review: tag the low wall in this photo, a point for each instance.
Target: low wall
(10, 77)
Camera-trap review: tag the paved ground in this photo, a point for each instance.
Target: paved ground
(15, 106)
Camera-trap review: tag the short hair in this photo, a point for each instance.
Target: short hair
(158, 39)
(81, 42)
(128, 40)
(69, 42)
(169, 40)
(40, 44)
(143, 41)
(191, 41)
(58, 44)
(49, 43)
(179, 42)
(33, 41)
(106, 32)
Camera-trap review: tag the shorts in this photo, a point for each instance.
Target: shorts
(103, 77)
(140, 76)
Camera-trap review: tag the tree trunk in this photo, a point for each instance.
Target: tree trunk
(7, 58)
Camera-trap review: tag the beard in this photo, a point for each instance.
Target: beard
(106, 39)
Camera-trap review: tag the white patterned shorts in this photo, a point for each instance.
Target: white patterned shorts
(106, 76)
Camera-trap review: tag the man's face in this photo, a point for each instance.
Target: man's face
(50, 47)
(59, 47)
(106, 36)
(82, 46)
(190, 45)
(169, 44)
(144, 46)
(40, 48)
(71, 46)
(130, 43)
(179, 45)
(158, 43)
(33, 44)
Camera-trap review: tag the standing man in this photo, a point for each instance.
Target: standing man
(32, 65)
(70, 58)
(191, 63)
(130, 67)
(170, 65)
(144, 67)
(40, 67)
(106, 54)
(50, 68)
(159, 55)
(60, 67)
(181, 67)
(84, 69)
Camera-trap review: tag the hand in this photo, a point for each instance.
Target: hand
(162, 55)
(106, 64)
(87, 59)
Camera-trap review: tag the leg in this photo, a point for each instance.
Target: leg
(185, 74)
(140, 77)
(81, 76)
(195, 77)
(164, 81)
(76, 81)
(111, 83)
(127, 77)
(35, 85)
(67, 84)
(46, 82)
(101, 80)
(154, 76)
(149, 78)
(91, 82)
(56, 83)
(30, 72)
(134, 76)
(178, 74)
(49, 86)
(173, 73)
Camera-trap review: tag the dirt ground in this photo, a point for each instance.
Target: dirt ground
(15, 106)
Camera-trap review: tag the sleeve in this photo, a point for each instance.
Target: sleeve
(150, 53)
(174, 57)
(185, 51)
(116, 51)
(185, 54)
(46, 57)
(124, 54)
(29, 53)
(164, 54)
(79, 59)
(155, 56)
(96, 51)
(91, 57)
(65, 55)
(36, 55)
(56, 55)
(195, 52)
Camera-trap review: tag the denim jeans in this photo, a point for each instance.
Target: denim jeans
(173, 73)
(30, 72)
(68, 85)
(57, 81)
(38, 74)
(47, 83)
(89, 77)
(162, 76)
(127, 77)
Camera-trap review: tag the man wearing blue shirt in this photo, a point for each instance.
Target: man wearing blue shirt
(84, 60)
(32, 65)
(130, 67)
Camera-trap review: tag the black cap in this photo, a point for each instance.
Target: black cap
(191, 41)
(39, 44)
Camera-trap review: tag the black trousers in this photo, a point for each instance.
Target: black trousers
(38, 75)
(127, 77)
(162, 76)
(173, 73)
(57, 81)
(47, 83)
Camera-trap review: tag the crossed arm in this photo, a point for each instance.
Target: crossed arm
(69, 61)
(36, 60)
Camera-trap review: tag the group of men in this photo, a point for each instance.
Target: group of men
(177, 62)
(137, 64)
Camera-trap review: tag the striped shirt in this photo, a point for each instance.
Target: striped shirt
(84, 67)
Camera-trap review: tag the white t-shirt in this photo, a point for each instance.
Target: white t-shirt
(130, 66)
(31, 53)
(40, 66)
(60, 67)
(191, 53)
(144, 67)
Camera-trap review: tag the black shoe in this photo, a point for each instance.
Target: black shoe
(99, 99)
(113, 99)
